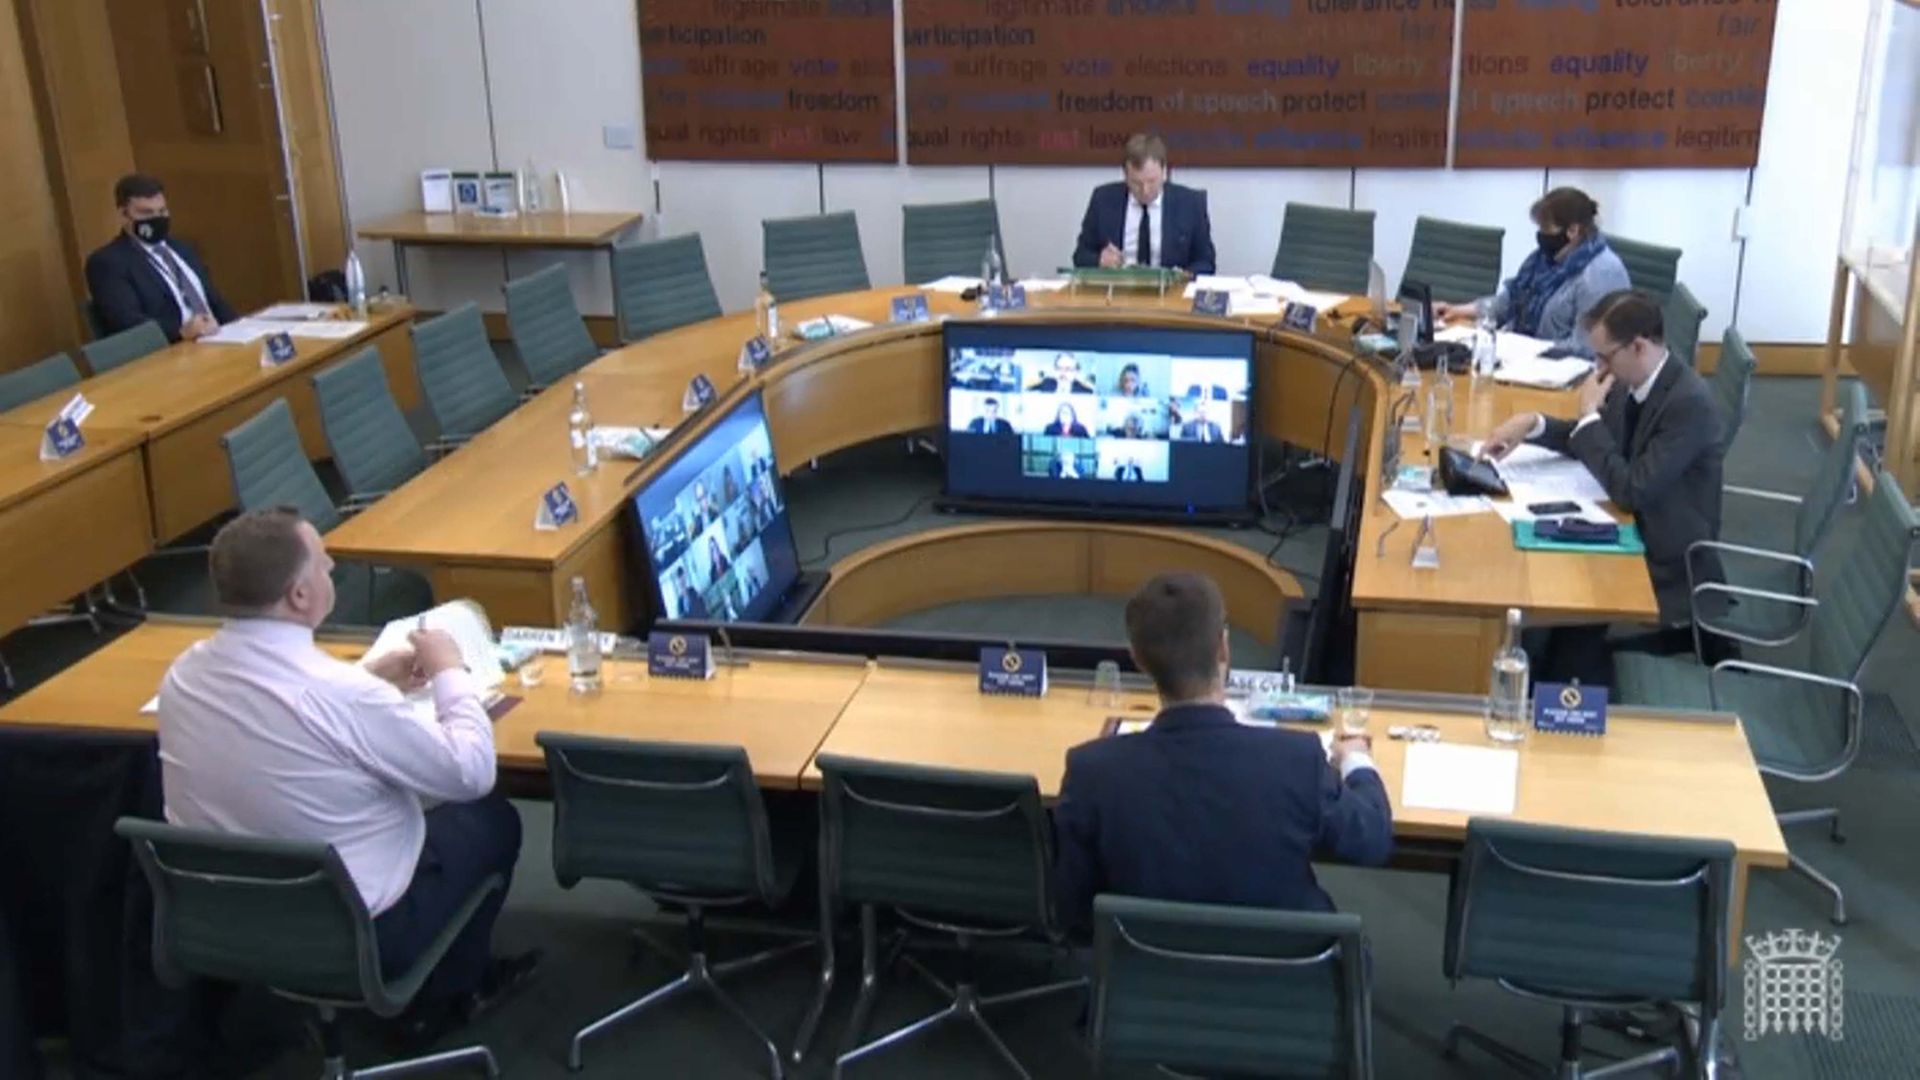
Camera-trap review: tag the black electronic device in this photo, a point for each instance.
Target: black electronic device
(1553, 509)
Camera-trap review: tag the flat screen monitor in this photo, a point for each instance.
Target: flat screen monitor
(1153, 420)
(714, 525)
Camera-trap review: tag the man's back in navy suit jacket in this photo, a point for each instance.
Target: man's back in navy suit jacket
(127, 288)
(1186, 236)
(1203, 809)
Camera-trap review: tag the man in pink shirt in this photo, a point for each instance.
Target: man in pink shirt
(263, 733)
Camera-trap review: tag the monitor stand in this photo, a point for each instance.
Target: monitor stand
(798, 598)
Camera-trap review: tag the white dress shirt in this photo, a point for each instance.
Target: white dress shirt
(1150, 212)
(264, 734)
(164, 267)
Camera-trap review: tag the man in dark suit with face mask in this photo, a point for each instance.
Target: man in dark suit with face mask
(146, 273)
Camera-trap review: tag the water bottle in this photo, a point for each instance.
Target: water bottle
(580, 433)
(1486, 355)
(766, 313)
(583, 642)
(356, 285)
(993, 274)
(531, 199)
(1508, 696)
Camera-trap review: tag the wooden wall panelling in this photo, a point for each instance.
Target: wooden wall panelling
(307, 120)
(37, 306)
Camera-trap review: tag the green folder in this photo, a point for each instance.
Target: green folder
(1628, 544)
(1123, 277)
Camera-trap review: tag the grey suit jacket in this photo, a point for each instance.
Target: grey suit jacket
(1669, 479)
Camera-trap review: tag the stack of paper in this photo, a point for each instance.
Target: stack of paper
(330, 329)
(1535, 474)
(1420, 504)
(952, 283)
(295, 312)
(1542, 372)
(243, 332)
(467, 623)
(829, 326)
(1217, 283)
(1465, 779)
(1293, 292)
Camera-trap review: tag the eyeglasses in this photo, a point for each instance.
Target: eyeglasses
(1607, 356)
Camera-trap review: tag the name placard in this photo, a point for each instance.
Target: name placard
(1301, 317)
(63, 439)
(754, 354)
(1007, 298)
(1211, 301)
(557, 508)
(911, 309)
(700, 393)
(679, 656)
(1570, 709)
(1021, 672)
(277, 350)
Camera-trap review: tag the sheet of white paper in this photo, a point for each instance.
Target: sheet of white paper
(1516, 510)
(1535, 474)
(461, 618)
(331, 329)
(295, 312)
(1217, 283)
(1541, 372)
(1511, 345)
(1466, 779)
(1419, 504)
(243, 332)
(1044, 284)
(1252, 304)
(952, 283)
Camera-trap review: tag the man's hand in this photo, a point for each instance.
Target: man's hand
(435, 651)
(1594, 391)
(1111, 257)
(399, 667)
(1446, 312)
(1502, 440)
(198, 327)
(1349, 745)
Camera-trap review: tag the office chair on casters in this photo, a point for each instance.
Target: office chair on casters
(284, 915)
(965, 854)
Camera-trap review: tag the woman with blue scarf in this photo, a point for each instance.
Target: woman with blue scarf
(1569, 273)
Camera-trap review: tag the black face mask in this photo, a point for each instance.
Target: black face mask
(1551, 244)
(153, 230)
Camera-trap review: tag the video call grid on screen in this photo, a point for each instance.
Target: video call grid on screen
(716, 527)
(1126, 417)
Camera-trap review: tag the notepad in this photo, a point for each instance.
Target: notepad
(466, 621)
(1464, 779)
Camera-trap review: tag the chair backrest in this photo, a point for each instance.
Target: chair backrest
(1731, 380)
(814, 255)
(270, 468)
(459, 374)
(1651, 268)
(1859, 593)
(263, 912)
(941, 239)
(676, 820)
(37, 380)
(124, 347)
(662, 284)
(1573, 913)
(973, 847)
(1682, 312)
(373, 447)
(1213, 990)
(547, 329)
(1832, 479)
(1325, 247)
(1458, 261)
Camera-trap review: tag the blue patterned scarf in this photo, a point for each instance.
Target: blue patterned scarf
(1540, 277)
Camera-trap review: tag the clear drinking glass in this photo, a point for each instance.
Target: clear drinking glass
(1352, 710)
(1106, 685)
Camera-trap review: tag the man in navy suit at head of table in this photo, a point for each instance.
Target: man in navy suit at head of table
(1144, 220)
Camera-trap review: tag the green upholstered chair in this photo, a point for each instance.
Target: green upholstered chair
(662, 284)
(1201, 989)
(1683, 314)
(1591, 921)
(942, 239)
(1731, 380)
(684, 824)
(1757, 561)
(1460, 262)
(1651, 268)
(954, 853)
(459, 375)
(814, 255)
(37, 380)
(373, 447)
(107, 353)
(1325, 247)
(547, 329)
(1802, 708)
(283, 915)
(269, 468)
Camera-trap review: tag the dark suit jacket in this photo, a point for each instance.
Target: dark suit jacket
(1051, 385)
(978, 425)
(1195, 430)
(1669, 479)
(1200, 808)
(1129, 472)
(1186, 236)
(127, 289)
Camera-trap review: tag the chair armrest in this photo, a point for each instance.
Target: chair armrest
(1695, 587)
(357, 503)
(1762, 493)
(1802, 610)
(1856, 704)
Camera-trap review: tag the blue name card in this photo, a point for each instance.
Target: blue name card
(557, 508)
(1022, 672)
(1300, 317)
(679, 656)
(753, 356)
(1007, 298)
(63, 439)
(700, 393)
(911, 309)
(1570, 709)
(278, 350)
(1211, 302)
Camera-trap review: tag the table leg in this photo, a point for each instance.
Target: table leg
(400, 271)
(1736, 913)
(613, 290)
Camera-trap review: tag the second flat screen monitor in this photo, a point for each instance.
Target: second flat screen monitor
(1101, 417)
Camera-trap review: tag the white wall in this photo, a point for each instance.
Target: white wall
(408, 94)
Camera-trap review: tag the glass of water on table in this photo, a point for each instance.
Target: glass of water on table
(1352, 710)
